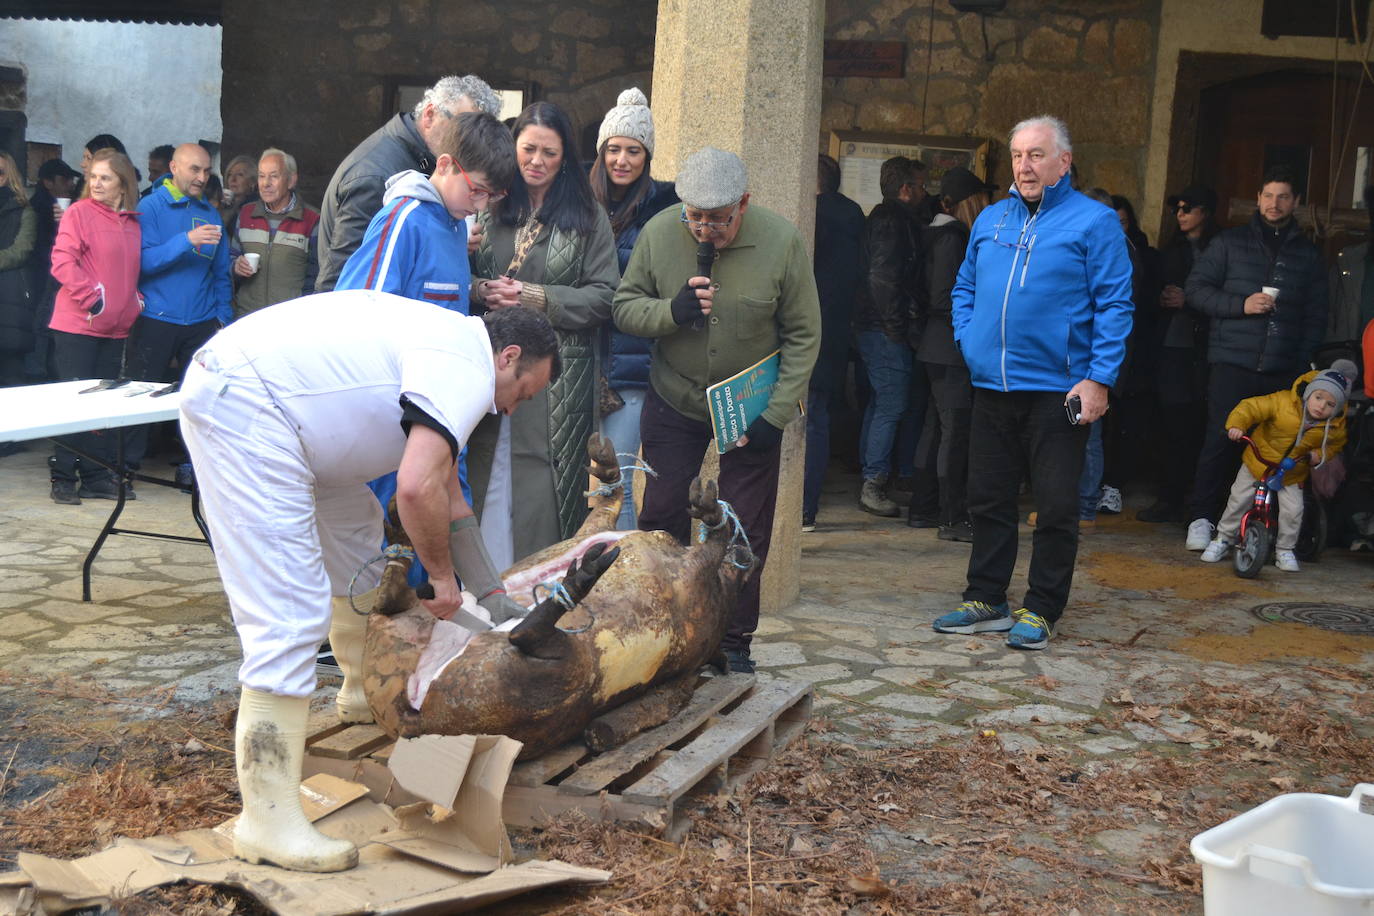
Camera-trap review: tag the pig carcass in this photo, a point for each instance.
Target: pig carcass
(637, 610)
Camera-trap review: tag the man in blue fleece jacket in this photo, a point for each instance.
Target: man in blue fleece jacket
(184, 279)
(1042, 310)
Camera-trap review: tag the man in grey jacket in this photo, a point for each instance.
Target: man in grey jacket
(355, 192)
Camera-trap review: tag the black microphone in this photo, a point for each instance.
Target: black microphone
(706, 257)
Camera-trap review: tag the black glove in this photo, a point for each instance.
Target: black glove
(762, 436)
(686, 306)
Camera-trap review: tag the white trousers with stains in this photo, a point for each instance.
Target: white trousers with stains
(284, 544)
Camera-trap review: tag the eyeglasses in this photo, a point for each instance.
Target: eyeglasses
(703, 224)
(478, 194)
(1186, 208)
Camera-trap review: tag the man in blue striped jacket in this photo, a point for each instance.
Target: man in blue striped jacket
(1042, 310)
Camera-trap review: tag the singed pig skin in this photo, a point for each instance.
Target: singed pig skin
(659, 611)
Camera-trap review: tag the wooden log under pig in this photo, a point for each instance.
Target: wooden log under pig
(660, 704)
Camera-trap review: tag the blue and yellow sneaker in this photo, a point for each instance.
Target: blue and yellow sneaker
(1031, 630)
(974, 617)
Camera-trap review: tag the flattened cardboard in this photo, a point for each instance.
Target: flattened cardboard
(433, 767)
(415, 867)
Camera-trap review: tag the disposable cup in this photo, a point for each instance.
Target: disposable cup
(253, 258)
(64, 202)
(1271, 291)
(471, 220)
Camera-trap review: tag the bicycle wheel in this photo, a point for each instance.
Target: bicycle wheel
(1314, 532)
(1252, 552)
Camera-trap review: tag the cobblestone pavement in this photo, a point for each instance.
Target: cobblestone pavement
(1146, 616)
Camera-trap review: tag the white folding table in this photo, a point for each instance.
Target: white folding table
(62, 408)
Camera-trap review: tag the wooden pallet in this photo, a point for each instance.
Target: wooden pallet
(727, 731)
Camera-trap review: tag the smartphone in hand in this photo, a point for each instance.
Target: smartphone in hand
(1073, 409)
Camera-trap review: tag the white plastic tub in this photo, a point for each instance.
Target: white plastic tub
(1295, 855)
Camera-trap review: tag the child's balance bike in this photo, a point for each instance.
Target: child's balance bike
(1259, 526)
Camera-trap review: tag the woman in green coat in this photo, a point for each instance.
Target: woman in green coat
(547, 246)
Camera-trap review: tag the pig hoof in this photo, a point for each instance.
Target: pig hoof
(702, 502)
(601, 451)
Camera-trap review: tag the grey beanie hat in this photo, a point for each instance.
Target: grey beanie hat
(711, 178)
(629, 118)
(1347, 368)
(1333, 383)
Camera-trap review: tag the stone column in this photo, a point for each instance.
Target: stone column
(745, 76)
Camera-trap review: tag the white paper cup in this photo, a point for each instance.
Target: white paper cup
(63, 203)
(253, 259)
(471, 220)
(1271, 291)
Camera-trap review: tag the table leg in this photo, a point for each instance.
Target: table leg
(121, 479)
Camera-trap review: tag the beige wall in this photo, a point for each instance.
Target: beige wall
(1211, 26)
(1088, 61)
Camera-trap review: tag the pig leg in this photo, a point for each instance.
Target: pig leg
(660, 704)
(538, 634)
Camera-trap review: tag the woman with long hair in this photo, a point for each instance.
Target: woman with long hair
(18, 232)
(962, 198)
(96, 261)
(621, 183)
(546, 246)
(1180, 382)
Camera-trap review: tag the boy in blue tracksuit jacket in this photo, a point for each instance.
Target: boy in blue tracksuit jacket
(1042, 308)
(417, 245)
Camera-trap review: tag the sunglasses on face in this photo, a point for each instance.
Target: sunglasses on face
(1187, 208)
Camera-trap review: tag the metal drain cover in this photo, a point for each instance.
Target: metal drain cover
(1342, 618)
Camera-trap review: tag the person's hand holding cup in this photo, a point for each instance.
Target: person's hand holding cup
(204, 234)
(1262, 302)
(245, 265)
(59, 207)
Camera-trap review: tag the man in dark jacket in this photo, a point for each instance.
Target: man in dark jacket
(838, 262)
(55, 179)
(892, 252)
(355, 192)
(1263, 287)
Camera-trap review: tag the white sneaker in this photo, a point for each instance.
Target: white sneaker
(1110, 501)
(1216, 551)
(1200, 534)
(1286, 560)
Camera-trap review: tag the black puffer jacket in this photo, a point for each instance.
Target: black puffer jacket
(17, 233)
(892, 258)
(933, 330)
(1237, 264)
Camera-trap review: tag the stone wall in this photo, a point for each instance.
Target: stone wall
(316, 89)
(1090, 62)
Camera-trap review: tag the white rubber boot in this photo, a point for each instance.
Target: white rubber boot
(269, 742)
(347, 634)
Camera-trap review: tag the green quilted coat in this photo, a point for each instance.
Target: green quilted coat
(549, 432)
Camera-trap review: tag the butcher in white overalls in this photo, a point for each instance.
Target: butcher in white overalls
(287, 413)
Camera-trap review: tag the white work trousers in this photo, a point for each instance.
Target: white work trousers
(1243, 496)
(284, 544)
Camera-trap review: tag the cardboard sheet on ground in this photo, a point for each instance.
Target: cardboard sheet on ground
(446, 854)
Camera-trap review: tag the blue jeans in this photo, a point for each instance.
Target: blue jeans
(889, 372)
(1090, 481)
(817, 450)
(622, 428)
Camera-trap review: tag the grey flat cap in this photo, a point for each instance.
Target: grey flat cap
(711, 178)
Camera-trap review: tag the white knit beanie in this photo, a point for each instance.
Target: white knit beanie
(629, 118)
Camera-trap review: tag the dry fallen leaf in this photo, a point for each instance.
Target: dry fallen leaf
(869, 885)
(1283, 783)
(1124, 698)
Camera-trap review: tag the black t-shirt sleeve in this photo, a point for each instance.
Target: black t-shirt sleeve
(410, 415)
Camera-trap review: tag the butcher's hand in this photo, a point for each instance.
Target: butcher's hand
(479, 575)
(447, 598)
(1094, 398)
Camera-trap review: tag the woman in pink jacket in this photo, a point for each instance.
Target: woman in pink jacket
(96, 259)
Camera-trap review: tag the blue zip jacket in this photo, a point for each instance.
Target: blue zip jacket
(1043, 301)
(182, 284)
(626, 361)
(413, 247)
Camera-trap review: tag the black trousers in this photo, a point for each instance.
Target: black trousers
(154, 348)
(953, 394)
(82, 356)
(673, 445)
(1011, 431)
(1216, 468)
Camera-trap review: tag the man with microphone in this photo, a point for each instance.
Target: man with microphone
(719, 284)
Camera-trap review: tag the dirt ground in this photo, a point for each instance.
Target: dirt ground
(940, 775)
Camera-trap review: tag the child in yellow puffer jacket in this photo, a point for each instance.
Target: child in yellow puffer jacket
(1307, 420)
